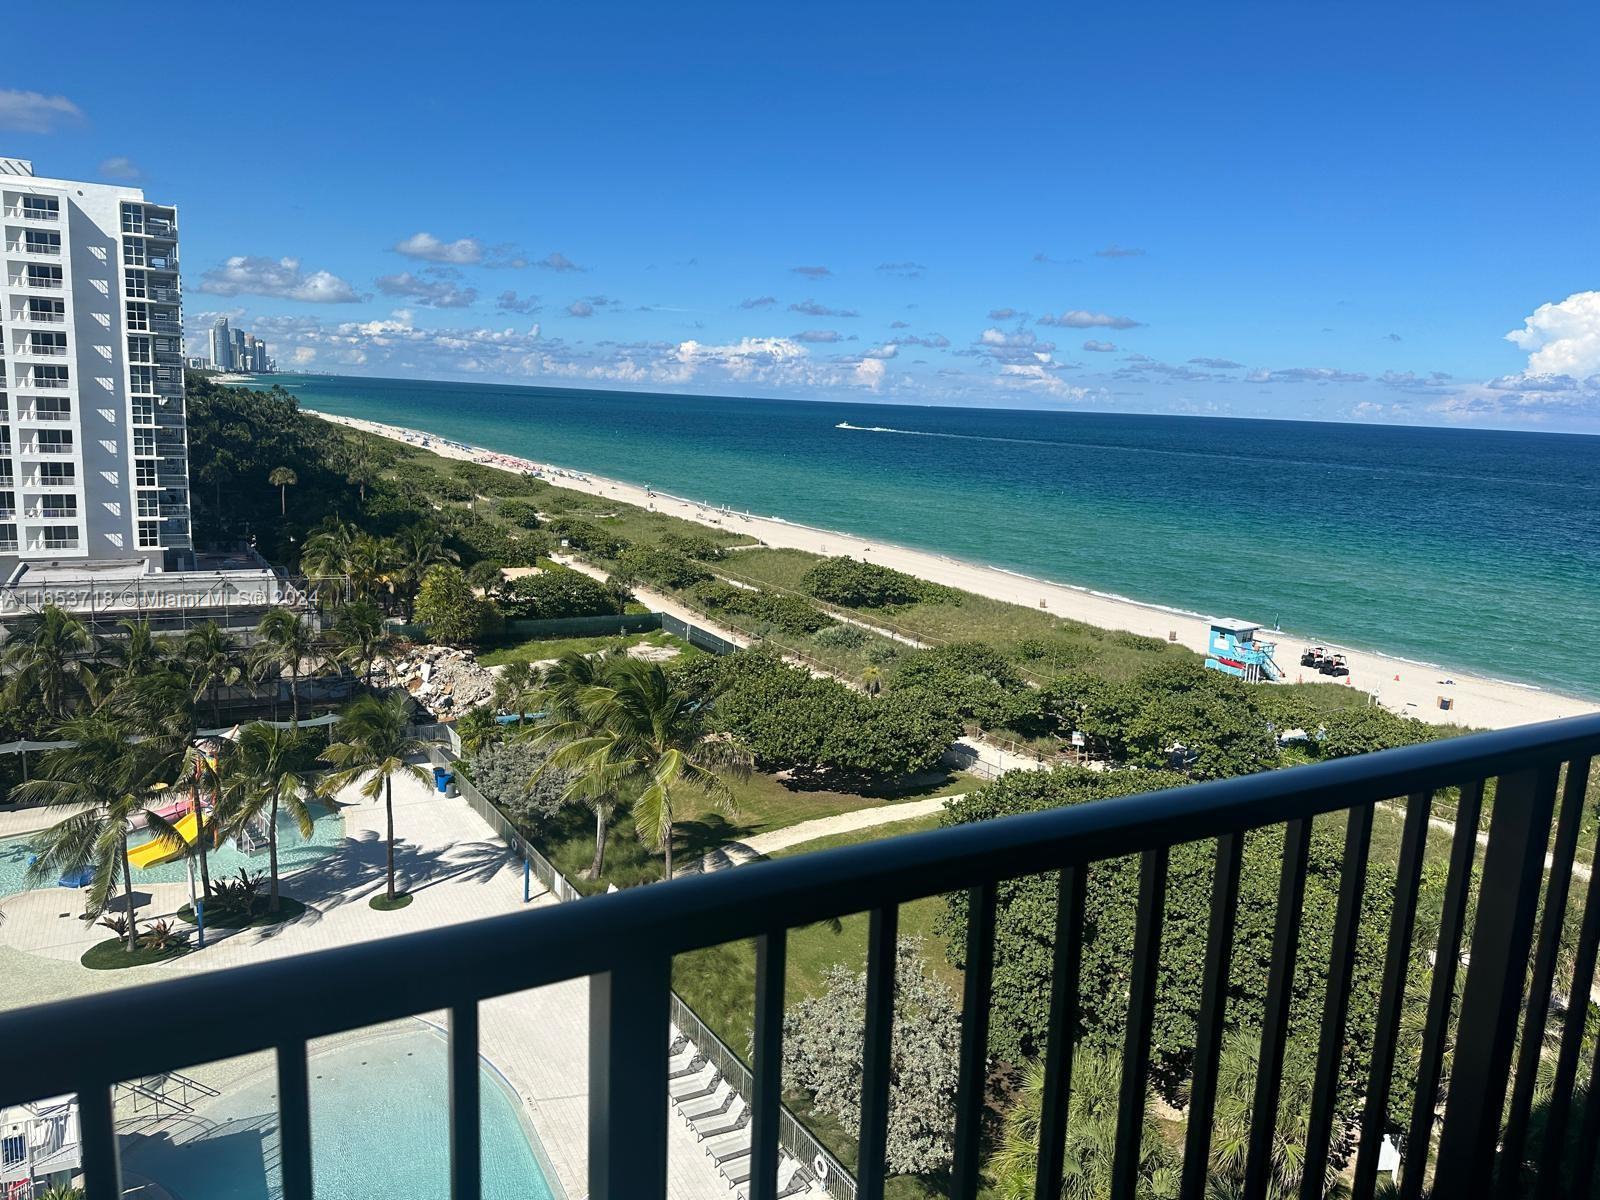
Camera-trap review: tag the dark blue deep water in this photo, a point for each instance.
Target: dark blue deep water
(1474, 549)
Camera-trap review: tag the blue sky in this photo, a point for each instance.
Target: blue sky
(1334, 212)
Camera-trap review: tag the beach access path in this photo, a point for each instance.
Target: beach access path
(1404, 687)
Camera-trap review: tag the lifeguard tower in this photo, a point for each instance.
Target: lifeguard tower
(1234, 650)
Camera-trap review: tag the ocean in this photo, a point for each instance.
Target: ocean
(1472, 549)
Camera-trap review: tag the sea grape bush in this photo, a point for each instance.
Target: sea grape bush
(854, 584)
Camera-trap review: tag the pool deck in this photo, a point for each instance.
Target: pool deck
(458, 871)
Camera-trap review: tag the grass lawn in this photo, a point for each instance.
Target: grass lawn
(764, 802)
(114, 955)
(219, 916)
(540, 649)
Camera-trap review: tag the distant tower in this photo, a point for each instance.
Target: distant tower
(221, 345)
(252, 350)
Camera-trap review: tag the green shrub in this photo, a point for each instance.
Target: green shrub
(587, 536)
(695, 546)
(867, 585)
(790, 614)
(521, 513)
(842, 637)
(660, 566)
(450, 609)
(555, 592)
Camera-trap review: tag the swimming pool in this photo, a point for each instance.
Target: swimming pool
(378, 1128)
(294, 852)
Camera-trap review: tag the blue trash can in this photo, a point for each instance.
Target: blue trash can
(441, 779)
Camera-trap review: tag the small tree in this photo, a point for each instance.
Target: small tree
(823, 1044)
(512, 774)
(283, 478)
(447, 605)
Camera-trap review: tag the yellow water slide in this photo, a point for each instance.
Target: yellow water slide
(160, 850)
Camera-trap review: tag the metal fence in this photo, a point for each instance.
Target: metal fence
(1473, 1112)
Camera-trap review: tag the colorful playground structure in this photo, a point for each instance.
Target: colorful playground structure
(1234, 650)
(160, 850)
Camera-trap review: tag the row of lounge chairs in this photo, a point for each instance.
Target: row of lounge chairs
(719, 1118)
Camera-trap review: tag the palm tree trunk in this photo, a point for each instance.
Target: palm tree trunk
(599, 862)
(667, 843)
(216, 706)
(283, 501)
(127, 894)
(272, 851)
(294, 696)
(200, 834)
(388, 805)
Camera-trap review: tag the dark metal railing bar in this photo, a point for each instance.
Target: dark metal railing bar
(1213, 1017)
(882, 942)
(1446, 965)
(1067, 959)
(767, 1098)
(1336, 1004)
(1583, 1165)
(294, 1120)
(628, 1020)
(1566, 1074)
(1568, 826)
(466, 1138)
(97, 1132)
(1502, 936)
(1275, 1018)
(1396, 971)
(500, 955)
(1134, 1094)
(976, 986)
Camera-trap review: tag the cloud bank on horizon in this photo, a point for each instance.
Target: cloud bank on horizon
(1121, 272)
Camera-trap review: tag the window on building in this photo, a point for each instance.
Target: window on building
(149, 504)
(52, 408)
(52, 311)
(54, 441)
(136, 285)
(144, 443)
(50, 376)
(149, 534)
(56, 508)
(41, 208)
(42, 275)
(144, 473)
(41, 241)
(133, 252)
(60, 537)
(132, 219)
(8, 539)
(139, 349)
(144, 411)
(142, 379)
(48, 343)
(8, 504)
(56, 474)
(138, 316)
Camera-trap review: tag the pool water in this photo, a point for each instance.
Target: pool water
(378, 1128)
(294, 852)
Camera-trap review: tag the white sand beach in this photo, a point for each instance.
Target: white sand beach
(1402, 686)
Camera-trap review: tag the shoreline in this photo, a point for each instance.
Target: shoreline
(1405, 686)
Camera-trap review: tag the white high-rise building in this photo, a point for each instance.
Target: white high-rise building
(221, 345)
(93, 450)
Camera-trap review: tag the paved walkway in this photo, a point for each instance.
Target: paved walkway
(763, 845)
(458, 871)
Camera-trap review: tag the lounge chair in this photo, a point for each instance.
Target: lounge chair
(727, 1148)
(695, 1086)
(691, 1066)
(737, 1118)
(710, 1106)
(793, 1179)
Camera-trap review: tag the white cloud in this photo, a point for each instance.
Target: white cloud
(1079, 319)
(303, 355)
(869, 373)
(34, 112)
(1098, 347)
(1563, 338)
(283, 277)
(435, 293)
(462, 252)
(119, 166)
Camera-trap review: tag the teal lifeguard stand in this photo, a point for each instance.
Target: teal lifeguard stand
(1235, 650)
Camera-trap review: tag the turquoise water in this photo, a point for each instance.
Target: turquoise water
(1475, 549)
(379, 1118)
(294, 852)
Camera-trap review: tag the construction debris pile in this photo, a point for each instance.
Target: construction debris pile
(443, 680)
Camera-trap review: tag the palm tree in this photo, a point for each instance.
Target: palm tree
(285, 642)
(513, 687)
(105, 778)
(283, 478)
(47, 655)
(326, 557)
(1091, 1137)
(636, 727)
(414, 550)
(565, 681)
(374, 746)
(211, 660)
(137, 652)
(359, 634)
(872, 679)
(478, 728)
(486, 576)
(359, 467)
(366, 566)
(268, 768)
(1236, 1080)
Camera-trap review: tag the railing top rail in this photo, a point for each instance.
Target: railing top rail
(495, 956)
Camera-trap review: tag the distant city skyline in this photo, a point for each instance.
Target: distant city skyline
(1267, 213)
(233, 349)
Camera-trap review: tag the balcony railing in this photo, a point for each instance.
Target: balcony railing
(24, 213)
(42, 318)
(625, 944)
